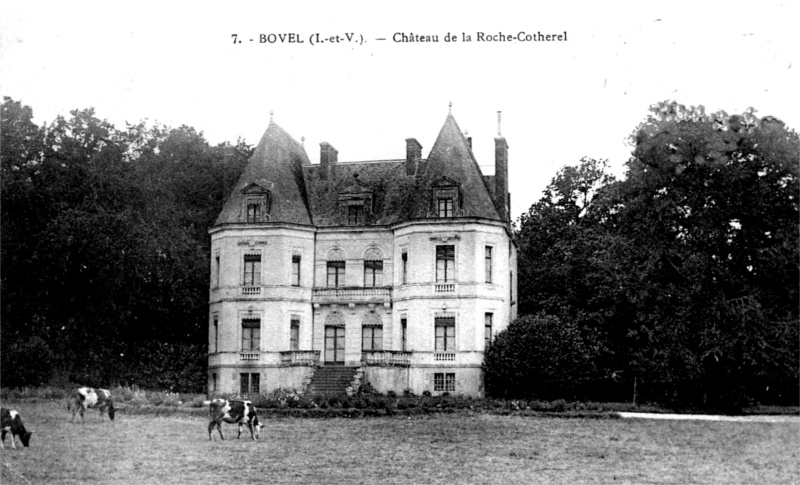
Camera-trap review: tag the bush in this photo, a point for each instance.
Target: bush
(538, 356)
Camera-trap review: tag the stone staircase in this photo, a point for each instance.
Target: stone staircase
(335, 380)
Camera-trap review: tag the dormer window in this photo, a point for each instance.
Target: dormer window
(444, 206)
(254, 211)
(355, 202)
(257, 202)
(355, 214)
(446, 200)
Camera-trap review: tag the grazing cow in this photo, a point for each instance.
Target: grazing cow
(10, 420)
(238, 412)
(86, 397)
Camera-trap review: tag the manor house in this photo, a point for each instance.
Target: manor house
(396, 273)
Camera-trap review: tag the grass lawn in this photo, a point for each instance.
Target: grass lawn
(455, 448)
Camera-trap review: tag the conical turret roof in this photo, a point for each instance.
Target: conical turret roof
(276, 168)
(451, 162)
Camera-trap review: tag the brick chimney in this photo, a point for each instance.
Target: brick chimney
(328, 156)
(501, 177)
(413, 155)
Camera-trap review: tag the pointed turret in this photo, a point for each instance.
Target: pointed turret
(271, 188)
(452, 179)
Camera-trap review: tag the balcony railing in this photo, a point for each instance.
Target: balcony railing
(250, 356)
(444, 357)
(300, 357)
(444, 288)
(352, 295)
(386, 357)
(251, 290)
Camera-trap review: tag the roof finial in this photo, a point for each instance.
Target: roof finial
(498, 124)
(303, 140)
(450, 108)
(270, 116)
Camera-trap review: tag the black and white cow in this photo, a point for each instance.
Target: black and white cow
(238, 412)
(86, 397)
(10, 421)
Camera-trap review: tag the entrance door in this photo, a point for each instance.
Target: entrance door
(334, 345)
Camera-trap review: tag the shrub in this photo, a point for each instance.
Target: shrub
(538, 356)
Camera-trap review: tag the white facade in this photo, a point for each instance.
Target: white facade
(370, 296)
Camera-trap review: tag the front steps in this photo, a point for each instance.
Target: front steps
(335, 380)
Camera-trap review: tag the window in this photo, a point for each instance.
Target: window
(371, 338)
(355, 215)
(404, 258)
(216, 333)
(445, 334)
(214, 381)
(252, 269)
(403, 334)
(254, 211)
(296, 270)
(335, 274)
(487, 264)
(445, 264)
(216, 271)
(294, 334)
(251, 335)
(444, 207)
(487, 330)
(444, 382)
(373, 274)
(250, 383)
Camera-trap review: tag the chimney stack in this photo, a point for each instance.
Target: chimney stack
(413, 155)
(328, 156)
(501, 195)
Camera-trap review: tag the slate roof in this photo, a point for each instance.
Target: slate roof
(300, 194)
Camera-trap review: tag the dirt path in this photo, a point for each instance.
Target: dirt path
(710, 417)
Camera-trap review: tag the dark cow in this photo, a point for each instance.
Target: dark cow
(86, 397)
(10, 421)
(238, 412)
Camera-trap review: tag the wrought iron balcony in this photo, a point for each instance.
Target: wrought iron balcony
(352, 294)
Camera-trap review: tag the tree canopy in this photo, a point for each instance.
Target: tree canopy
(685, 274)
(104, 242)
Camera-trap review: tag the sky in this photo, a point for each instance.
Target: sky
(176, 63)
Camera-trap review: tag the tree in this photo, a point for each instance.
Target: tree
(539, 357)
(685, 274)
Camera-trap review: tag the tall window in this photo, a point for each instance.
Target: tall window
(335, 274)
(254, 211)
(445, 334)
(444, 207)
(444, 382)
(214, 381)
(249, 383)
(252, 269)
(294, 334)
(216, 333)
(296, 270)
(355, 215)
(251, 335)
(445, 264)
(216, 271)
(403, 334)
(404, 258)
(487, 330)
(487, 264)
(373, 274)
(371, 338)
